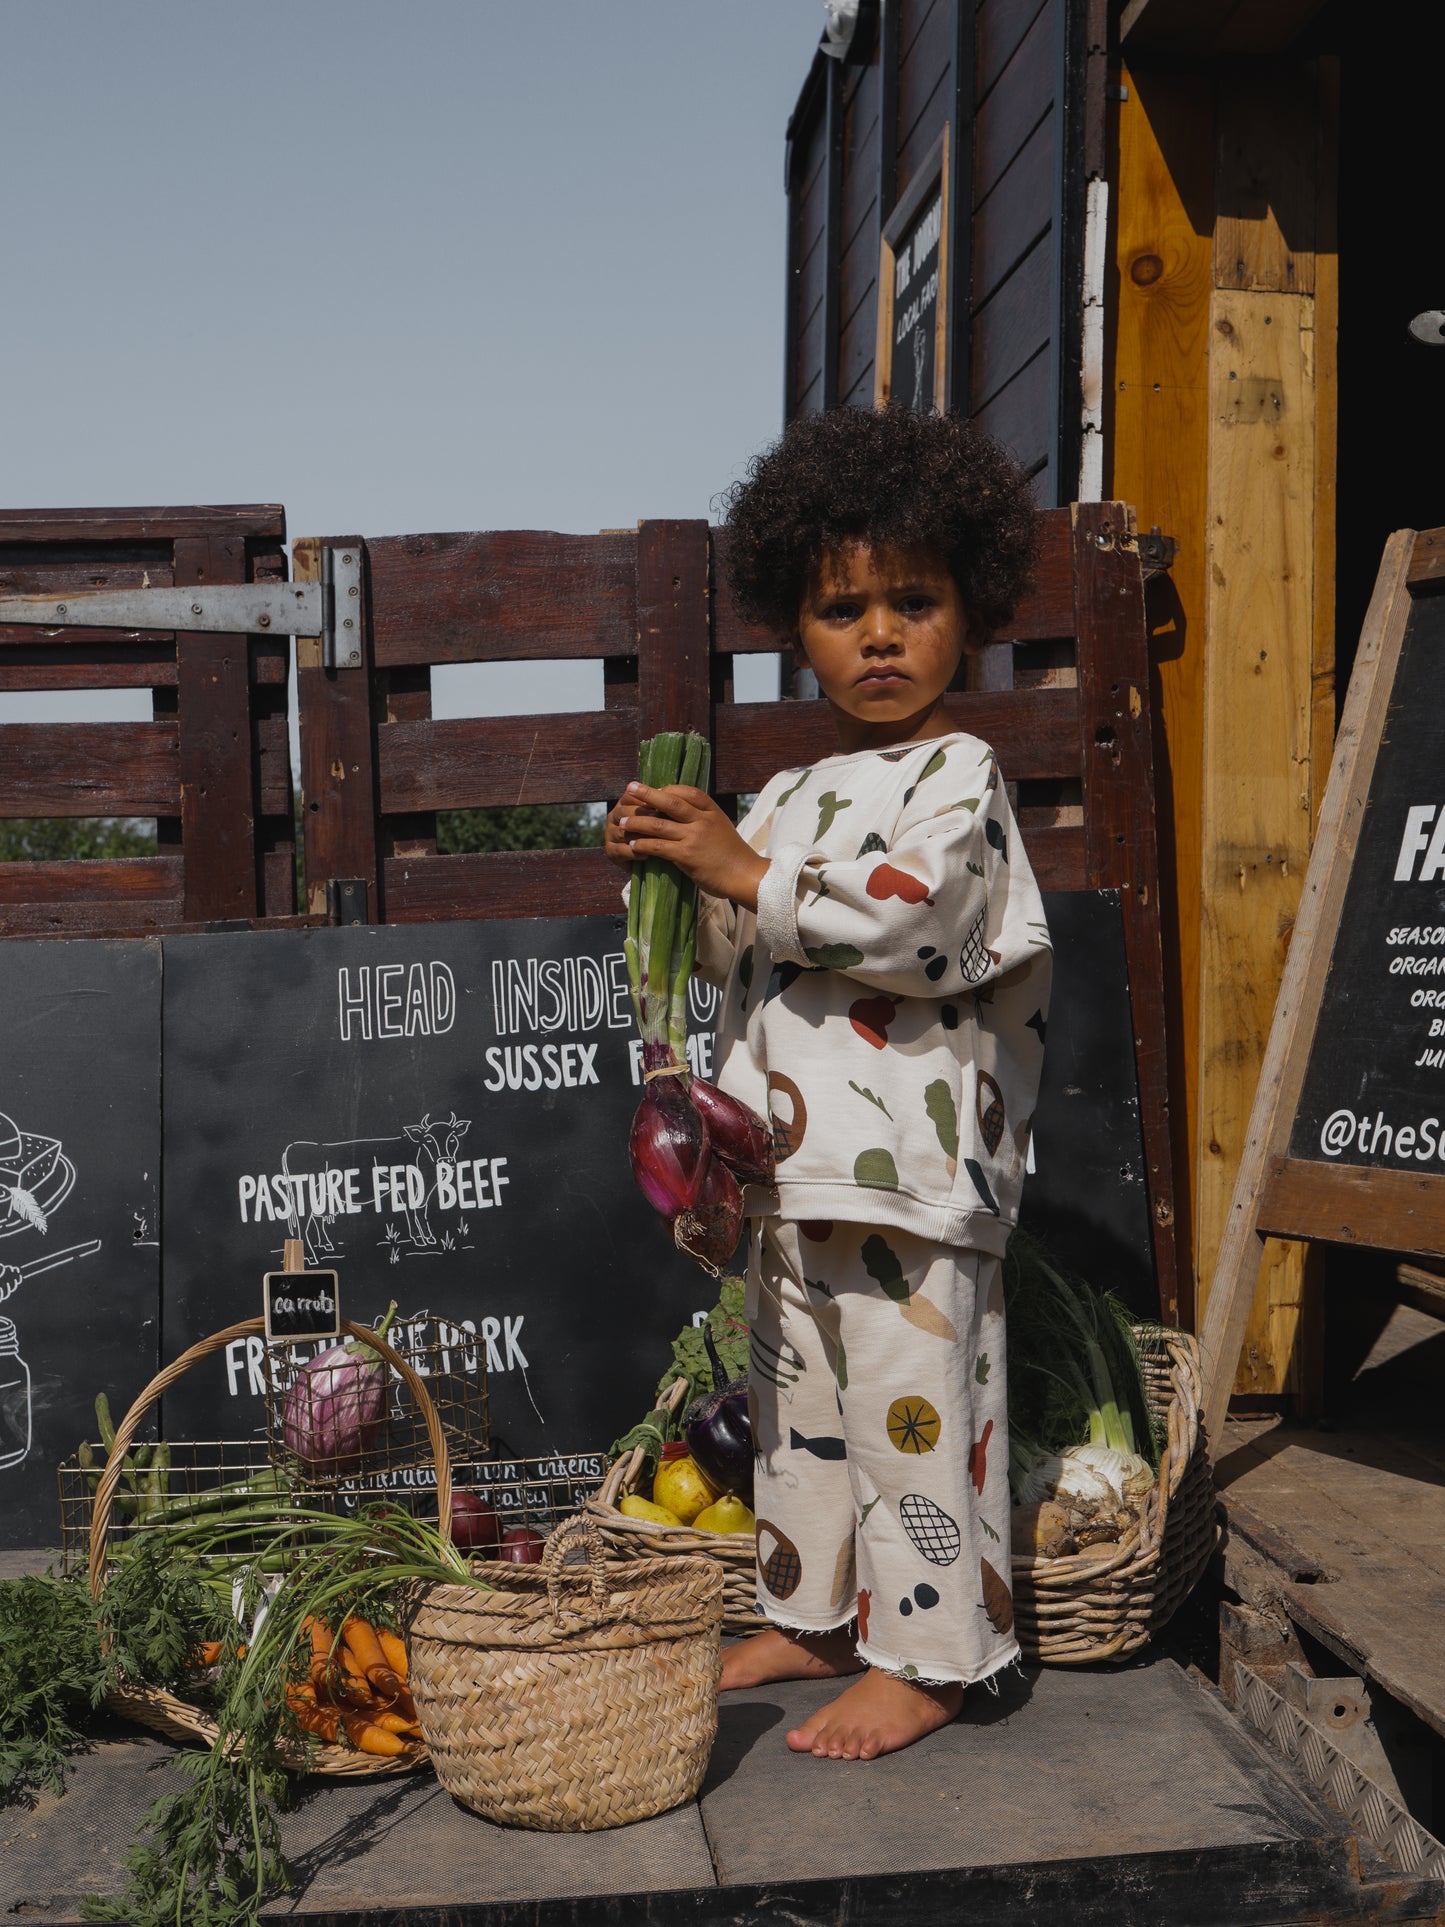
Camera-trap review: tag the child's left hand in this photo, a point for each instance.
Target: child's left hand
(685, 826)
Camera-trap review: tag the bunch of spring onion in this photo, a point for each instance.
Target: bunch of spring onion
(1079, 1420)
(692, 1146)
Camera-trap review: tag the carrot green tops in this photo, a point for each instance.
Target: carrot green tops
(886, 1007)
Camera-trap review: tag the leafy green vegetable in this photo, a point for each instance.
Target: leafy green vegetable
(50, 1669)
(730, 1334)
(1074, 1371)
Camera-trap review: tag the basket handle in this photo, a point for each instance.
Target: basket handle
(579, 1529)
(178, 1367)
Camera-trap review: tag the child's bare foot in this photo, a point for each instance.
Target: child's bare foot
(775, 1654)
(877, 1714)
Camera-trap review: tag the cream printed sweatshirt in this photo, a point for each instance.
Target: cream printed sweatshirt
(886, 1006)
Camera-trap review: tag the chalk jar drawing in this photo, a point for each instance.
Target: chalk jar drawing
(36, 1177)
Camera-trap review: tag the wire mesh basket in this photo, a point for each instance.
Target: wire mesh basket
(328, 1428)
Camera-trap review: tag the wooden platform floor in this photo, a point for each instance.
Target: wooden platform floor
(1092, 1796)
(1348, 1524)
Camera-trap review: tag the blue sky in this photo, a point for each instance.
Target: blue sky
(399, 266)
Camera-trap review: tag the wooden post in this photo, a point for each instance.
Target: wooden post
(674, 639)
(338, 776)
(213, 712)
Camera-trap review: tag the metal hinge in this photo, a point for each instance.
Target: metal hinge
(330, 608)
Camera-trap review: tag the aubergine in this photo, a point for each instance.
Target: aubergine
(718, 1430)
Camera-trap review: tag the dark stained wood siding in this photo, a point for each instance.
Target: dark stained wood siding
(1012, 347)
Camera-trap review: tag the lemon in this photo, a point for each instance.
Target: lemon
(635, 1508)
(727, 1514)
(682, 1488)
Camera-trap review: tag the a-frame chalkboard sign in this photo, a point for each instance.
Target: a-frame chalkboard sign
(1347, 1136)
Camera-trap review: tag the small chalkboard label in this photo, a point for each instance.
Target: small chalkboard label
(302, 1305)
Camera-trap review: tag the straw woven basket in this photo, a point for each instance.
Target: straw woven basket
(1101, 1604)
(566, 1697)
(167, 1713)
(627, 1538)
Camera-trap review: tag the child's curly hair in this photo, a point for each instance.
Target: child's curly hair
(894, 480)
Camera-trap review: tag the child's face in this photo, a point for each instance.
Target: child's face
(883, 631)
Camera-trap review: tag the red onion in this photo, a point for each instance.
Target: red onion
(668, 1145)
(474, 1523)
(522, 1546)
(336, 1407)
(737, 1134)
(709, 1229)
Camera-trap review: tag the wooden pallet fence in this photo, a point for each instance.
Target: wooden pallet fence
(211, 766)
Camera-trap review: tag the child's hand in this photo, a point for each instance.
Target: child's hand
(685, 826)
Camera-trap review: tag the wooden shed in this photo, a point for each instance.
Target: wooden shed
(1142, 290)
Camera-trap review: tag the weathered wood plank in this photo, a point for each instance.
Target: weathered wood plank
(89, 769)
(924, 65)
(1160, 454)
(1015, 213)
(1264, 229)
(504, 595)
(88, 666)
(673, 637)
(1427, 557)
(917, 145)
(1035, 732)
(501, 883)
(255, 520)
(1117, 760)
(1386, 1210)
(1255, 804)
(1012, 325)
(109, 880)
(1017, 104)
(1002, 25)
(338, 785)
(1018, 415)
(488, 762)
(213, 713)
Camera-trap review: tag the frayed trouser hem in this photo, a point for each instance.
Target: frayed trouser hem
(791, 1623)
(938, 1675)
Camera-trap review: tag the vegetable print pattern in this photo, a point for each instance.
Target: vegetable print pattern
(886, 1004)
(888, 1473)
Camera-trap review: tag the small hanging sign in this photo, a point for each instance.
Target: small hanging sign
(299, 1304)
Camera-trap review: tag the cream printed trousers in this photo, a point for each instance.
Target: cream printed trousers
(880, 1418)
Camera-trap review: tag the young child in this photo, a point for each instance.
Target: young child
(879, 942)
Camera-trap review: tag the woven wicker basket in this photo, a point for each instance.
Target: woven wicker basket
(1107, 1602)
(628, 1538)
(1101, 1604)
(166, 1713)
(570, 1697)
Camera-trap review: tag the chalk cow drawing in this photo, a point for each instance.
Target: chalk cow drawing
(313, 1208)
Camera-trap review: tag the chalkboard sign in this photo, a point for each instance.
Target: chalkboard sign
(910, 368)
(79, 1185)
(440, 1112)
(301, 1305)
(1346, 1141)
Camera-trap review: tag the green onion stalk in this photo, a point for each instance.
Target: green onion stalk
(692, 1147)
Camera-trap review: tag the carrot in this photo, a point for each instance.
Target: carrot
(323, 1721)
(371, 1738)
(395, 1649)
(397, 1723)
(208, 1652)
(362, 1643)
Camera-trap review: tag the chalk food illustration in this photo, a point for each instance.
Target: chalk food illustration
(36, 1177)
(920, 344)
(418, 1185)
